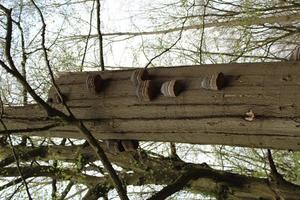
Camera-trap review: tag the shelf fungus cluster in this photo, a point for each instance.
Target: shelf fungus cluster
(146, 89)
(171, 88)
(213, 82)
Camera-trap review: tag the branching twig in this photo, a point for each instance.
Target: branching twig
(17, 160)
(178, 185)
(170, 47)
(35, 152)
(13, 150)
(11, 183)
(52, 111)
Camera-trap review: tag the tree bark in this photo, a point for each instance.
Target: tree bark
(199, 178)
(268, 90)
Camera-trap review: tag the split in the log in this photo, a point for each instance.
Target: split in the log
(114, 146)
(171, 88)
(94, 83)
(213, 82)
(138, 76)
(295, 56)
(145, 90)
(130, 145)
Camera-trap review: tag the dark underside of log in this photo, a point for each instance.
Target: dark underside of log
(258, 106)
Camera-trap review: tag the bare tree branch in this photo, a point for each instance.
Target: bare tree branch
(100, 38)
(178, 185)
(95, 192)
(66, 191)
(23, 156)
(246, 21)
(17, 161)
(53, 183)
(170, 47)
(88, 37)
(203, 31)
(11, 183)
(16, 158)
(54, 112)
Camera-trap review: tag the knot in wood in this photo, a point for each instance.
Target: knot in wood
(213, 82)
(138, 76)
(145, 90)
(295, 56)
(170, 88)
(94, 83)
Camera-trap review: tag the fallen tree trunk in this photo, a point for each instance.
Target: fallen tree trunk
(268, 91)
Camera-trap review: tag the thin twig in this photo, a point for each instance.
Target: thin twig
(88, 38)
(24, 156)
(203, 31)
(100, 38)
(13, 150)
(178, 185)
(271, 163)
(53, 111)
(14, 193)
(170, 47)
(11, 183)
(54, 181)
(81, 127)
(66, 191)
(15, 156)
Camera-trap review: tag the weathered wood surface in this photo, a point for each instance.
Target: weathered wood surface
(270, 90)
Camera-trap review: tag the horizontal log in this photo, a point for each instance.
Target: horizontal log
(270, 91)
(277, 133)
(234, 69)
